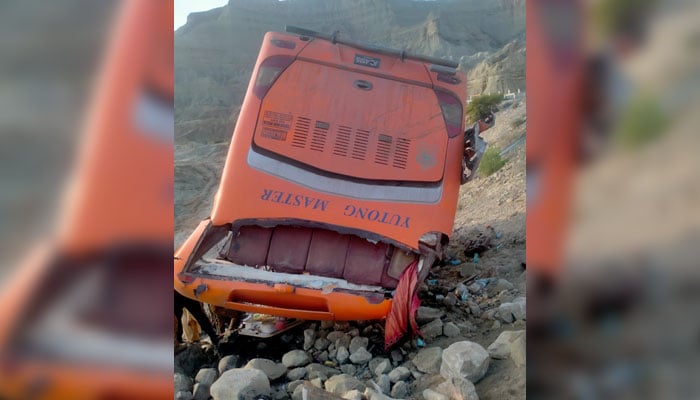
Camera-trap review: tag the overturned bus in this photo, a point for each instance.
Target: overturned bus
(342, 176)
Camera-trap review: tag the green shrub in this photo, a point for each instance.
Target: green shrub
(641, 122)
(519, 121)
(491, 161)
(480, 106)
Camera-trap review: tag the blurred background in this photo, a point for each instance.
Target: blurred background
(86, 149)
(50, 56)
(613, 210)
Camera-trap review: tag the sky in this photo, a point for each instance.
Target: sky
(185, 7)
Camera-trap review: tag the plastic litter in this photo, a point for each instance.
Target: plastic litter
(420, 342)
(476, 258)
(455, 261)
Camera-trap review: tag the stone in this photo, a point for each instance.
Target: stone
(518, 351)
(396, 356)
(500, 348)
(372, 394)
(297, 392)
(399, 374)
(384, 383)
(427, 314)
(296, 374)
(317, 382)
(240, 384)
(321, 344)
(432, 329)
(181, 395)
(335, 335)
(361, 356)
(309, 338)
(357, 343)
(327, 325)
(353, 395)
(342, 355)
(341, 325)
(279, 394)
(383, 367)
(450, 300)
(226, 363)
(348, 369)
(503, 284)
(458, 389)
(182, 383)
(400, 390)
(314, 370)
(190, 360)
(293, 385)
(272, 369)
(511, 312)
(464, 360)
(201, 391)
(474, 309)
(206, 376)
(323, 356)
(451, 329)
(343, 383)
(311, 392)
(428, 360)
(295, 358)
(430, 394)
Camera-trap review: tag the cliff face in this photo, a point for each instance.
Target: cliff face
(215, 51)
(501, 72)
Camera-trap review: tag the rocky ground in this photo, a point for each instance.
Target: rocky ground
(472, 318)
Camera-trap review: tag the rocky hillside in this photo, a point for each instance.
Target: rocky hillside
(503, 72)
(215, 51)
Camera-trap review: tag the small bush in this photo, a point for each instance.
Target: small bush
(491, 161)
(642, 122)
(480, 106)
(515, 124)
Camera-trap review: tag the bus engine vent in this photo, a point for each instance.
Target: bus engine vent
(301, 132)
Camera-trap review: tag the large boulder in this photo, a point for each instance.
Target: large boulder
(464, 360)
(240, 384)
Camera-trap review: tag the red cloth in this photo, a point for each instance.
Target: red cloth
(403, 308)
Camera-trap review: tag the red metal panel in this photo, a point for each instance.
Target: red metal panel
(327, 253)
(250, 246)
(289, 248)
(365, 262)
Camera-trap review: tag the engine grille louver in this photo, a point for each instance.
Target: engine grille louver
(301, 132)
(352, 143)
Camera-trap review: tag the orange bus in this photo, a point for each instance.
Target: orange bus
(344, 169)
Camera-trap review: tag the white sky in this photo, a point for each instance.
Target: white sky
(185, 7)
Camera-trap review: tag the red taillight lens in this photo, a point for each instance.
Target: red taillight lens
(268, 72)
(452, 112)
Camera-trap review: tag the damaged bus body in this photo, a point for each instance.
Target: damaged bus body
(344, 169)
